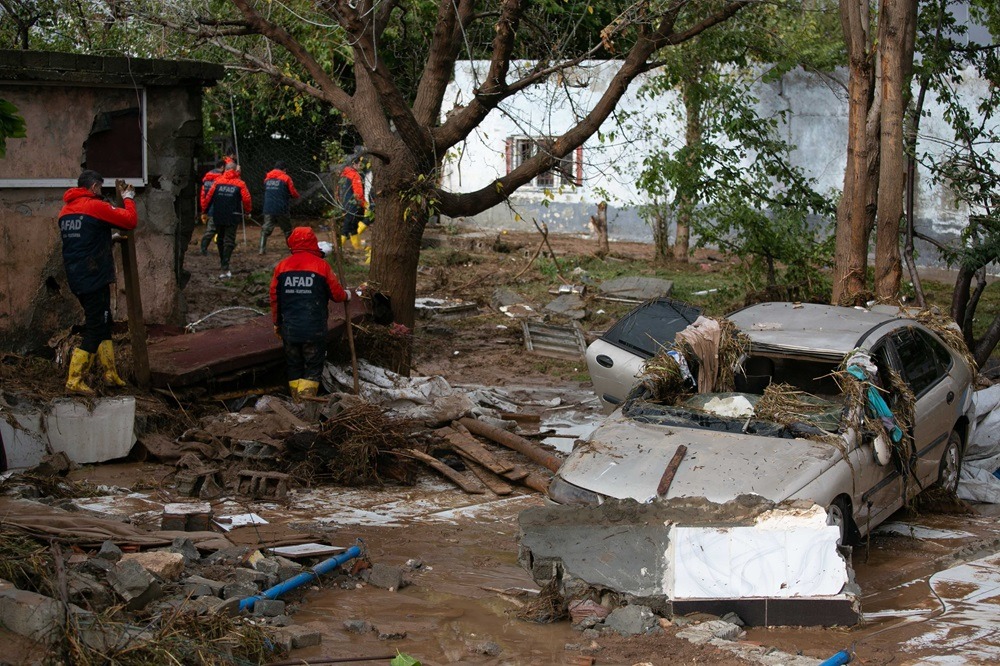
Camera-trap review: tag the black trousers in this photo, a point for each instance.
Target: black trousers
(305, 359)
(97, 319)
(226, 242)
(349, 227)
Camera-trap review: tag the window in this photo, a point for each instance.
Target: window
(70, 128)
(568, 172)
(921, 361)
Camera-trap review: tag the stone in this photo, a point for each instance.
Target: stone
(162, 564)
(280, 621)
(136, 586)
(358, 626)
(239, 590)
(390, 634)
(198, 581)
(54, 464)
(86, 590)
(414, 563)
(386, 577)
(97, 566)
(287, 568)
(244, 575)
(209, 605)
(269, 607)
(488, 648)
(700, 634)
(733, 618)
(109, 551)
(268, 566)
(631, 620)
(296, 636)
(32, 615)
(568, 305)
(504, 296)
(185, 547)
(228, 556)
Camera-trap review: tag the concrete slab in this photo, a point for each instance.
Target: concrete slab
(87, 432)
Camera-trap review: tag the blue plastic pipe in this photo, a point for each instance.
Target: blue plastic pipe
(305, 577)
(839, 659)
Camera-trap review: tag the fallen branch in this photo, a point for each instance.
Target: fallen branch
(491, 481)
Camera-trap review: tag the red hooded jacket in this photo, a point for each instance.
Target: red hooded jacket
(301, 287)
(86, 222)
(228, 178)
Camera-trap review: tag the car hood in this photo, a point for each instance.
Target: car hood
(626, 459)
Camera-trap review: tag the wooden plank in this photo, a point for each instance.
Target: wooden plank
(668, 473)
(466, 444)
(490, 480)
(515, 474)
(136, 321)
(291, 420)
(457, 478)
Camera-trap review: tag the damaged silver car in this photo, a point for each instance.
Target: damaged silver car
(861, 458)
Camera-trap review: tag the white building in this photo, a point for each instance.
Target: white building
(606, 167)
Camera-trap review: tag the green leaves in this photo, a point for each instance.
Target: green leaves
(11, 125)
(403, 659)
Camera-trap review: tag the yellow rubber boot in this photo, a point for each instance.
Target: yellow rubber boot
(343, 241)
(106, 357)
(308, 388)
(79, 363)
(361, 227)
(356, 241)
(368, 255)
(293, 389)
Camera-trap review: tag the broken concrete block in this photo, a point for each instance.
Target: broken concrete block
(287, 568)
(209, 605)
(97, 566)
(56, 464)
(636, 288)
(244, 575)
(581, 609)
(86, 591)
(228, 556)
(358, 626)
(136, 586)
(296, 636)
(631, 620)
(32, 615)
(568, 305)
(162, 564)
(186, 517)
(109, 551)
(239, 590)
(198, 581)
(185, 547)
(386, 577)
(87, 433)
(269, 607)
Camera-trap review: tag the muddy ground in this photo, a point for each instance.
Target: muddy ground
(929, 584)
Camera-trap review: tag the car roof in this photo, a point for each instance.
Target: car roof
(827, 330)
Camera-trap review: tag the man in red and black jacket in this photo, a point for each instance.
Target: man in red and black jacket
(279, 190)
(229, 200)
(206, 213)
(86, 222)
(301, 288)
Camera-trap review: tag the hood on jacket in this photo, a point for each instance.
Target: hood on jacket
(302, 239)
(274, 173)
(75, 193)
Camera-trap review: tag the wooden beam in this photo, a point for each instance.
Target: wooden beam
(136, 322)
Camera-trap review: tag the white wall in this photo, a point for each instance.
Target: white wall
(817, 126)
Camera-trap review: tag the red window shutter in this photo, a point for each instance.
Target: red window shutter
(509, 150)
(579, 166)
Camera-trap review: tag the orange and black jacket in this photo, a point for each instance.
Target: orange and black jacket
(85, 222)
(228, 199)
(278, 192)
(351, 191)
(301, 287)
(206, 186)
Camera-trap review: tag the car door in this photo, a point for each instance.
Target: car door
(925, 366)
(880, 486)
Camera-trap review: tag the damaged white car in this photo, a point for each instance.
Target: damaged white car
(855, 410)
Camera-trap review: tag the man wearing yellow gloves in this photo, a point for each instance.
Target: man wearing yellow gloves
(86, 223)
(301, 288)
(351, 194)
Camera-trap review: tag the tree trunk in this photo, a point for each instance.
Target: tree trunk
(661, 232)
(851, 253)
(687, 199)
(895, 21)
(600, 222)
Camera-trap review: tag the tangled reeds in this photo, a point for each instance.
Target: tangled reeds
(785, 404)
(663, 376)
(26, 563)
(734, 345)
(349, 447)
(949, 331)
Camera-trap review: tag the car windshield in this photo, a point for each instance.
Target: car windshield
(774, 396)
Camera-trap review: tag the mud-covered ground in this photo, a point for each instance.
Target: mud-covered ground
(928, 579)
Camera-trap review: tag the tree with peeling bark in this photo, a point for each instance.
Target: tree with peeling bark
(402, 129)
(880, 63)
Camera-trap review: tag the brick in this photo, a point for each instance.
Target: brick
(269, 607)
(297, 636)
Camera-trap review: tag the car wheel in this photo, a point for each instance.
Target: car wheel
(839, 514)
(951, 463)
